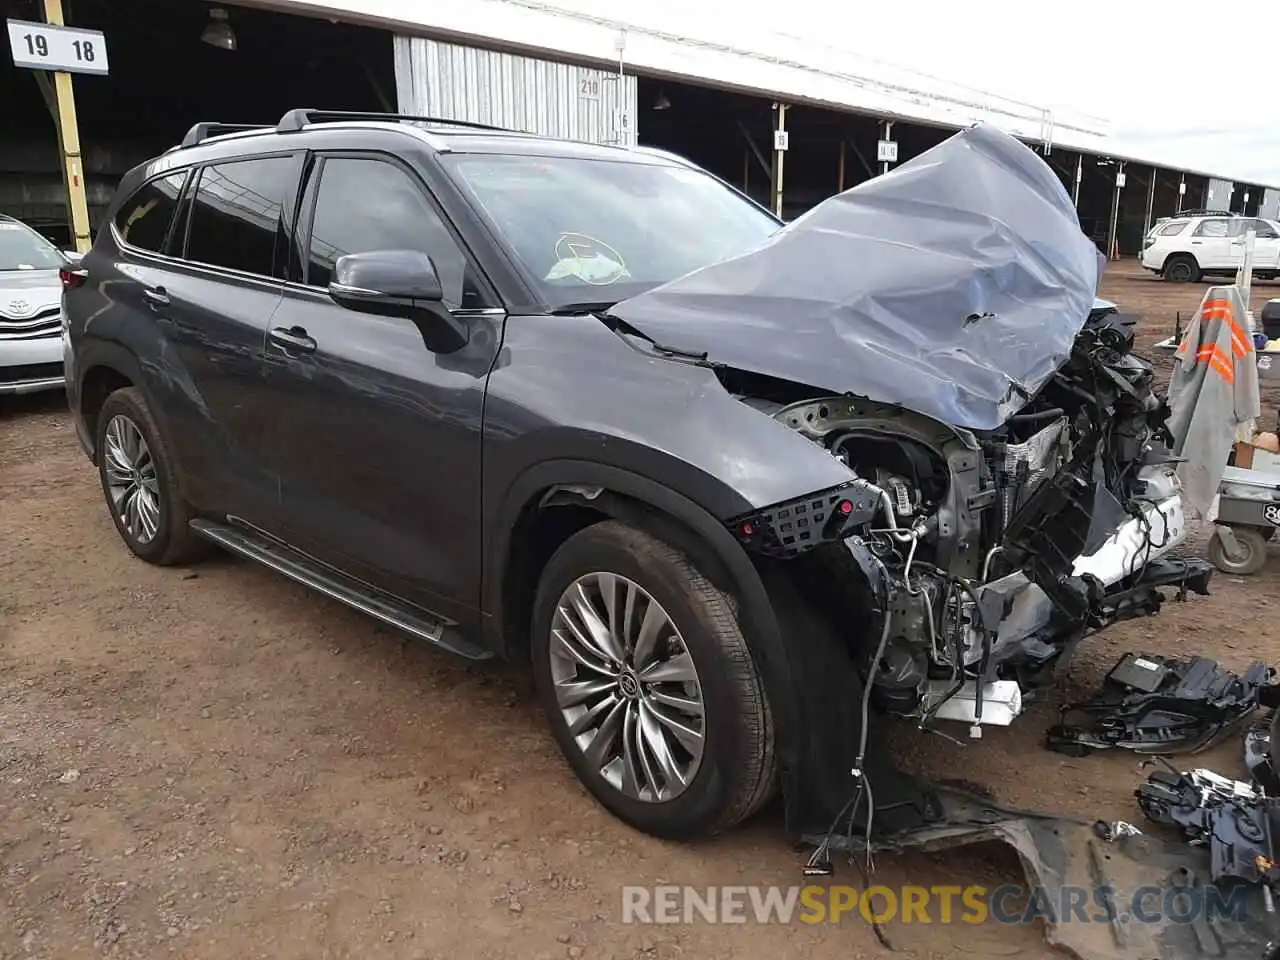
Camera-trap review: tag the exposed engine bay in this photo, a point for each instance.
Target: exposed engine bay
(963, 564)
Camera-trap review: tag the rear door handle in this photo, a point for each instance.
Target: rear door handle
(156, 297)
(292, 340)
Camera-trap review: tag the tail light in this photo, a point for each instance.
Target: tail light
(72, 277)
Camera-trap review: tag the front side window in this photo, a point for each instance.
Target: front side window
(144, 220)
(235, 215)
(365, 204)
(603, 230)
(1264, 230)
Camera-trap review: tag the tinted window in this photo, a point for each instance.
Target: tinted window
(1173, 229)
(592, 230)
(144, 220)
(235, 215)
(364, 205)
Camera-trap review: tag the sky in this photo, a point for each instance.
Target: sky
(1163, 73)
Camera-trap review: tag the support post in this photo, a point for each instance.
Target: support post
(1112, 252)
(1182, 192)
(1075, 190)
(1151, 202)
(69, 142)
(840, 169)
(779, 155)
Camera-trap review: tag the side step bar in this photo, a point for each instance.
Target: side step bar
(416, 622)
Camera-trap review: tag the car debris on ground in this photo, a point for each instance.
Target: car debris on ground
(1153, 704)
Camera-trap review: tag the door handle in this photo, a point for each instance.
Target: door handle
(156, 297)
(292, 340)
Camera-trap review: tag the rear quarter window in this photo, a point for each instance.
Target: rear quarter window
(1174, 228)
(144, 219)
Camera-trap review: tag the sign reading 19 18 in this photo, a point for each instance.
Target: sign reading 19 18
(43, 46)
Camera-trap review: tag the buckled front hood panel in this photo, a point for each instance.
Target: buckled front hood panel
(952, 286)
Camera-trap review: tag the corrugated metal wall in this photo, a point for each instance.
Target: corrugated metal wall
(1270, 206)
(1217, 194)
(537, 96)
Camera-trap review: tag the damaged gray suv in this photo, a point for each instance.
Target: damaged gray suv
(737, 491)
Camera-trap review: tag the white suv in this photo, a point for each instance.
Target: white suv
(1185, 248)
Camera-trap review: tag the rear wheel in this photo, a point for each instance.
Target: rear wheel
(1248, 557)
(650, 689)
(1182, 268)
(139, 482)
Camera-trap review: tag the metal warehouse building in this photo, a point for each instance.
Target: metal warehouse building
(788, 124)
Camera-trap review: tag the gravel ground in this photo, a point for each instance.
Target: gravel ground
(214, 762)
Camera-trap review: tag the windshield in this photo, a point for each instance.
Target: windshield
(24, 249)
(599, 231)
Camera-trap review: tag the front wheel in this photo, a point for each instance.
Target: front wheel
(652, 694)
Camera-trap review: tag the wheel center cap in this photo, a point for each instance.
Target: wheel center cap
(628, 684)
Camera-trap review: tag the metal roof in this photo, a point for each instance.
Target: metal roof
(767, 66)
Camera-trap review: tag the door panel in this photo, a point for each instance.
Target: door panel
(213, 311)
(378, 439)
(379, 449)
(1266, 247)
(1211, 243)
(214, 332)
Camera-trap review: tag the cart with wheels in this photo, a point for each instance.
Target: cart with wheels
(1247, 517)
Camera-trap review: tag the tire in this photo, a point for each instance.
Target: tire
(735, 770)
(1250, 558)
(166, 539)
(1182, 268)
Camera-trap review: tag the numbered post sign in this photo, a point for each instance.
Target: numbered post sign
(43, 46)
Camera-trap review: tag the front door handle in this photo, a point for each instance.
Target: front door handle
(156, 297)
(292, 340)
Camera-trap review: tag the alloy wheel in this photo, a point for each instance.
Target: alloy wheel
(627, 687)
(131, 479)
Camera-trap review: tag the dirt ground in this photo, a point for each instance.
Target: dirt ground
(215, 762)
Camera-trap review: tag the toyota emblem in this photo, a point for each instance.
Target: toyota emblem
(19, 306)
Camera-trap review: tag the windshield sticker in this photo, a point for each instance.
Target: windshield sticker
(587, 259)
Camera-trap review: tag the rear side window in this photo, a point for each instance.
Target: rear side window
(1173, 229)
(144, 219)
(1215, 228)
(235, 215)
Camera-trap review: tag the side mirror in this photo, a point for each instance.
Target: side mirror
(399, 283)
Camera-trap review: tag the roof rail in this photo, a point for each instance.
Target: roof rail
(295, 120)
(1204, 212)
(203, 131)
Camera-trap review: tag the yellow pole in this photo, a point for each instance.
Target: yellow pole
(69, 136)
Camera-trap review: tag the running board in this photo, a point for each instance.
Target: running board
(417, 623)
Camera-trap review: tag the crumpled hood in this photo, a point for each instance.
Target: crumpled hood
(953, 286)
